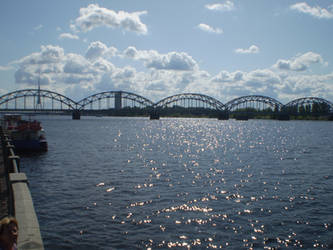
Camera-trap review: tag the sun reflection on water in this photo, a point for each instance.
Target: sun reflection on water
(195, 184)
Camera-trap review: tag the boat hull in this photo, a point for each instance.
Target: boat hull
(30, 145)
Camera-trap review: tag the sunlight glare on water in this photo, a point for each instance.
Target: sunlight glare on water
(183, 183)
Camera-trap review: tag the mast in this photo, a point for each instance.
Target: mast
(38, 95)
(39, 102)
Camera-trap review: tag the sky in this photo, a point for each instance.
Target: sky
(157, 48)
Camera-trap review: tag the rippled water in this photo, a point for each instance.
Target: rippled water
(127, 183)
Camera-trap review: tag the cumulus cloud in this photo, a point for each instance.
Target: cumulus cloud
(49, 54)
(102, 65)
(119, 79)
(93, 72)
(38, 27)
(68, 36)
(5, 68)
(51, 65)
(226, 6)
(94, 16)
(167, 73)
(300, 62)
(98, 49)
(316, 11)
(207, 28)
(231, 85)
(171, 61)
(296, 86)
(75, 64)
(253, 49)
(285, 87)
(225, 76)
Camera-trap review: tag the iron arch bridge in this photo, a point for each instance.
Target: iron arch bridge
(36, 100)
(257, 102)
(191, 100)
(121, 99)
(309, 104)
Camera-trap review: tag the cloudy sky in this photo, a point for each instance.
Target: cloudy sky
(224, 49)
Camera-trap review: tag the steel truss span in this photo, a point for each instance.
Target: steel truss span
(121, 96)
(192, 100)
(309, 101)
(45, 100)
(254, 99)
(36, 99)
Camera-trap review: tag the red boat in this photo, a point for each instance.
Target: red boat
(26, 135)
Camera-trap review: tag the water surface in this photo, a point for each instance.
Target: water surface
(132, 183)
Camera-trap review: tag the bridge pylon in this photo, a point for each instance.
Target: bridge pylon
(76, 115)
(223, 115)
(154, 115)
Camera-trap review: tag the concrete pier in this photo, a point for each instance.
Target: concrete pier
(16, 198)
(4, 187)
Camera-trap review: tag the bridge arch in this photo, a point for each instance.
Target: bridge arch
(36, 99)
(120, 100)
(191, 100)
(258, 102)
(315, 104)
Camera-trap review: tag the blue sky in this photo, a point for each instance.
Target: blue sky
(225, 49)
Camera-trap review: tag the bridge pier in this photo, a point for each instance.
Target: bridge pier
(223, 115)
(241, 117)
(283, 117)
(154, 115)
(76, 115)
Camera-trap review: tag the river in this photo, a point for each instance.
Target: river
(132, 183)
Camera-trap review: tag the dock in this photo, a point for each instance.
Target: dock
(15, 196)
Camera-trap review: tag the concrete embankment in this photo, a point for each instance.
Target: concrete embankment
(16, 198)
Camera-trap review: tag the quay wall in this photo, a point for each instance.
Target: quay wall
(16, 199)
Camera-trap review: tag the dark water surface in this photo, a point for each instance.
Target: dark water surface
(132, 183)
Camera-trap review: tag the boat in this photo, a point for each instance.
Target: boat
(26, 135)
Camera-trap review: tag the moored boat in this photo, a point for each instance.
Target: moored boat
(27, 135)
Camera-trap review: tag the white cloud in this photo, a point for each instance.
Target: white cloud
(38, 27)
(49, 54)
(3, 91)
(94, 16)
(225, 76)
(207, 28)
(5, 68)
(102, 65)
(76, 64)
(226, 6)
(300, 62)
(296, 86)
(81, 76)
(97, 49)
(171, 61)
(253, 49)
(316, 11)
(52, 66)
(68, 36)
(284, 86)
